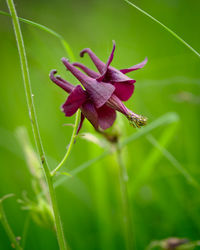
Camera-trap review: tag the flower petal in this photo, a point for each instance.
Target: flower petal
(98, 63)
(108, 63)
(123, 91)
(89, 111)
(113, 75)
(106, 117)
(88, 71)
(74, 101)
(84, 79)
(135, 67)
(111, 56)
(80, 123)
(68, 87)
(115, 103)
(99, 92)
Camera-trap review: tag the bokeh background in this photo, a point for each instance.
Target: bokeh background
(164, 203)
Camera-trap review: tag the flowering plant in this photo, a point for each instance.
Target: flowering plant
(103, 92)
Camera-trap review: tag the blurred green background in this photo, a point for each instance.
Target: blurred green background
(163, 202)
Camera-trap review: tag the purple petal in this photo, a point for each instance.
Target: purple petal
(88, 71)
(84, 79)
(113, 75)
(98, 63)
(115, 103)
(68, 87)
(123, 91)
(135, 67)
(80, 123)
(89, 111)
(111, 56)
(74, 101)
(106, 117)
(99, 92)
(108, 63)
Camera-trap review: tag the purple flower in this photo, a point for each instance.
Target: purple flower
(91, 101)
(124, 86)
(98, 101)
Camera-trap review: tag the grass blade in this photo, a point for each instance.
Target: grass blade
(48, 30)
(165, 27)
(149, 164)
(173, 161)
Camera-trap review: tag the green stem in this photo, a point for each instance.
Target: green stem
(127, 222)
(32, 114)
(164, 26)
(7, 228)
(70, 145)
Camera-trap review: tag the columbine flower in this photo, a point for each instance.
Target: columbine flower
(97, 102)
(124, 86)
(90, 101)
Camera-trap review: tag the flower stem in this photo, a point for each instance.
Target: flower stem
(165, 27)
(33, 118)
(70, 145)
(127, 222)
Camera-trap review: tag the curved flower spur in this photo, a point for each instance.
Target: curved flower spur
(103, 93)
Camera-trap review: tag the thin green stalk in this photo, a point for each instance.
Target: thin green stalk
(126, 215)
(70, 145)
(33, 118)
(165, 27)
(15, 244)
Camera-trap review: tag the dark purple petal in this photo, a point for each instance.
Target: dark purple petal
(84, 79)
(113, 75)
(123, 91)
(108, 63)
(88, 71)
(80, 123)
(135, 67)
(111, 56)
(74, 101)
(98, 63)
(89, 111)
(106, 117)
(115, 103)
(68, 87)
(99, 92)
